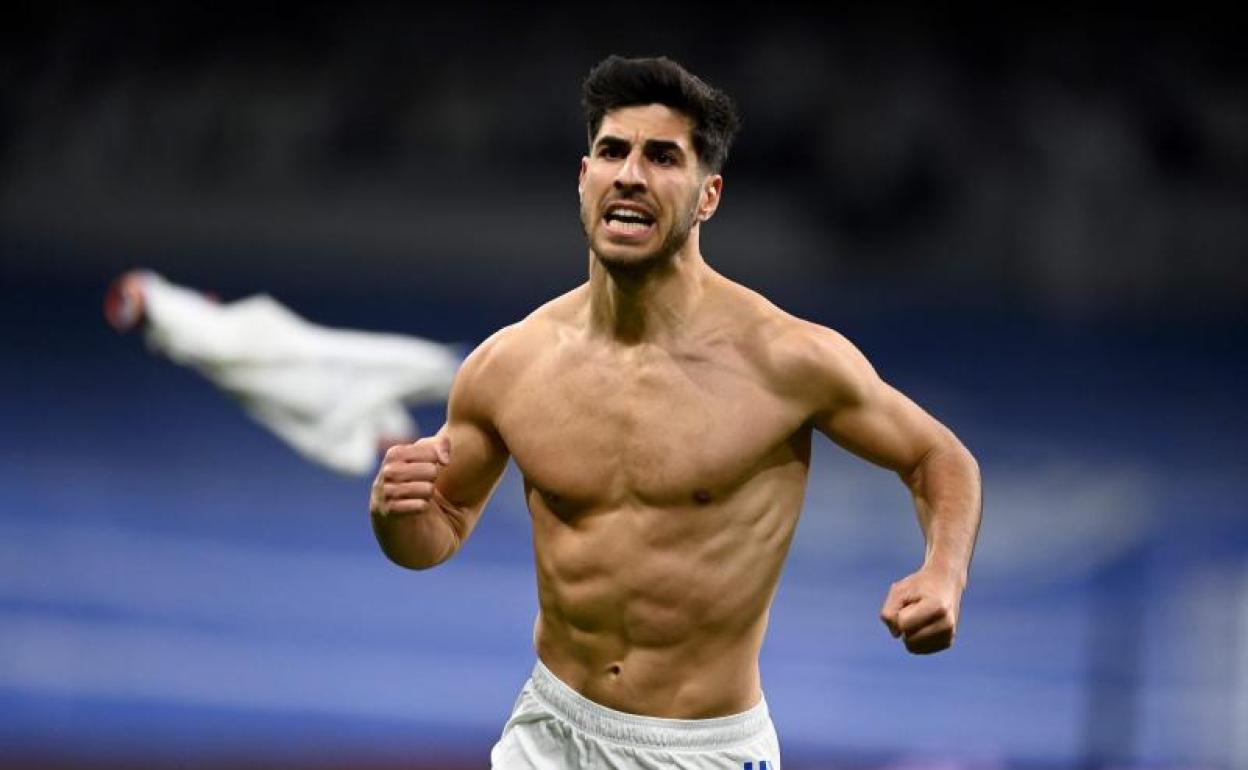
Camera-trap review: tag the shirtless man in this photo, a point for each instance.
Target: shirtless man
(661, 416)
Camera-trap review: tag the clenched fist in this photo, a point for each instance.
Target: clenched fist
(922, 609)
(404, 484)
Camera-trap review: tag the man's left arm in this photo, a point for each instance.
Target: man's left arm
(870, 418)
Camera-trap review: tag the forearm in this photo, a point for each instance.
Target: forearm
(947, 498)
(420, 540)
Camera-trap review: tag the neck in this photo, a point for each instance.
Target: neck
(646, 304)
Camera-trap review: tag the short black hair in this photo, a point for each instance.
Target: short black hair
(617, 82)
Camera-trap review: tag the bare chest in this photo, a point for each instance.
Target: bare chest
(656, 431)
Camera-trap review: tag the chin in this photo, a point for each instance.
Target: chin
(614, 257)
(637, 257)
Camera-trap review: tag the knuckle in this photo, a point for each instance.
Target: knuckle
(409, 490)
(409, 502)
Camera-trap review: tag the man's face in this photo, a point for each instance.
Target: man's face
(642, 189)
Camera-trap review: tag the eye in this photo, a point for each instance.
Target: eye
(611, 151)
(664, 158)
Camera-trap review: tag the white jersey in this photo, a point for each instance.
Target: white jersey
(331, 394)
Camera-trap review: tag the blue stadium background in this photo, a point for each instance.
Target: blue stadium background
(1035, 228)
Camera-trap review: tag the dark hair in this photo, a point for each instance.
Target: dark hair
(618, 82)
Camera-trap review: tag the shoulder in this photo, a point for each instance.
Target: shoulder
(801, 359)
(504, 357)
(822, 365)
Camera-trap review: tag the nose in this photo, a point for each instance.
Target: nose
(630, 175)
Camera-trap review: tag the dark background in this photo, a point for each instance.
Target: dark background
(1035, 225)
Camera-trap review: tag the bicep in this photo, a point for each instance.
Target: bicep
(867, 416)
(882, 425)
(478, 453)
(478, 458)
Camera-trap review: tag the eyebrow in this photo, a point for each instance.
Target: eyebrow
(650, 145)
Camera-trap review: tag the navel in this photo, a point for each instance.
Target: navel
(701, 496)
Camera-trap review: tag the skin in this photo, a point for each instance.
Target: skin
(661, 416)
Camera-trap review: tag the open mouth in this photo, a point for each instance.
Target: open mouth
(628, 221)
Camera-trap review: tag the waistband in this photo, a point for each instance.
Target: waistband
(647, 732)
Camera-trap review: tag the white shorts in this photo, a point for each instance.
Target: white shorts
(553, 727)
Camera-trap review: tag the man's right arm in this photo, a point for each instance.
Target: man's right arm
(428, 496)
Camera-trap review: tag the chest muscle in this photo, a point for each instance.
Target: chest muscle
(597, 432)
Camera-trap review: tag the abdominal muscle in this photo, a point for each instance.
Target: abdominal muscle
(661, 611)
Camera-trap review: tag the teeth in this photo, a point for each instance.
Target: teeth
(628, 215)
(631, 225)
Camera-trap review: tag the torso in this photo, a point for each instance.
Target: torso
(664, 484)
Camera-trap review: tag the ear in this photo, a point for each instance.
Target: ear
(708, 199)
(580, 178)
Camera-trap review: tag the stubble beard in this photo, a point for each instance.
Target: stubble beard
(675, 240)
